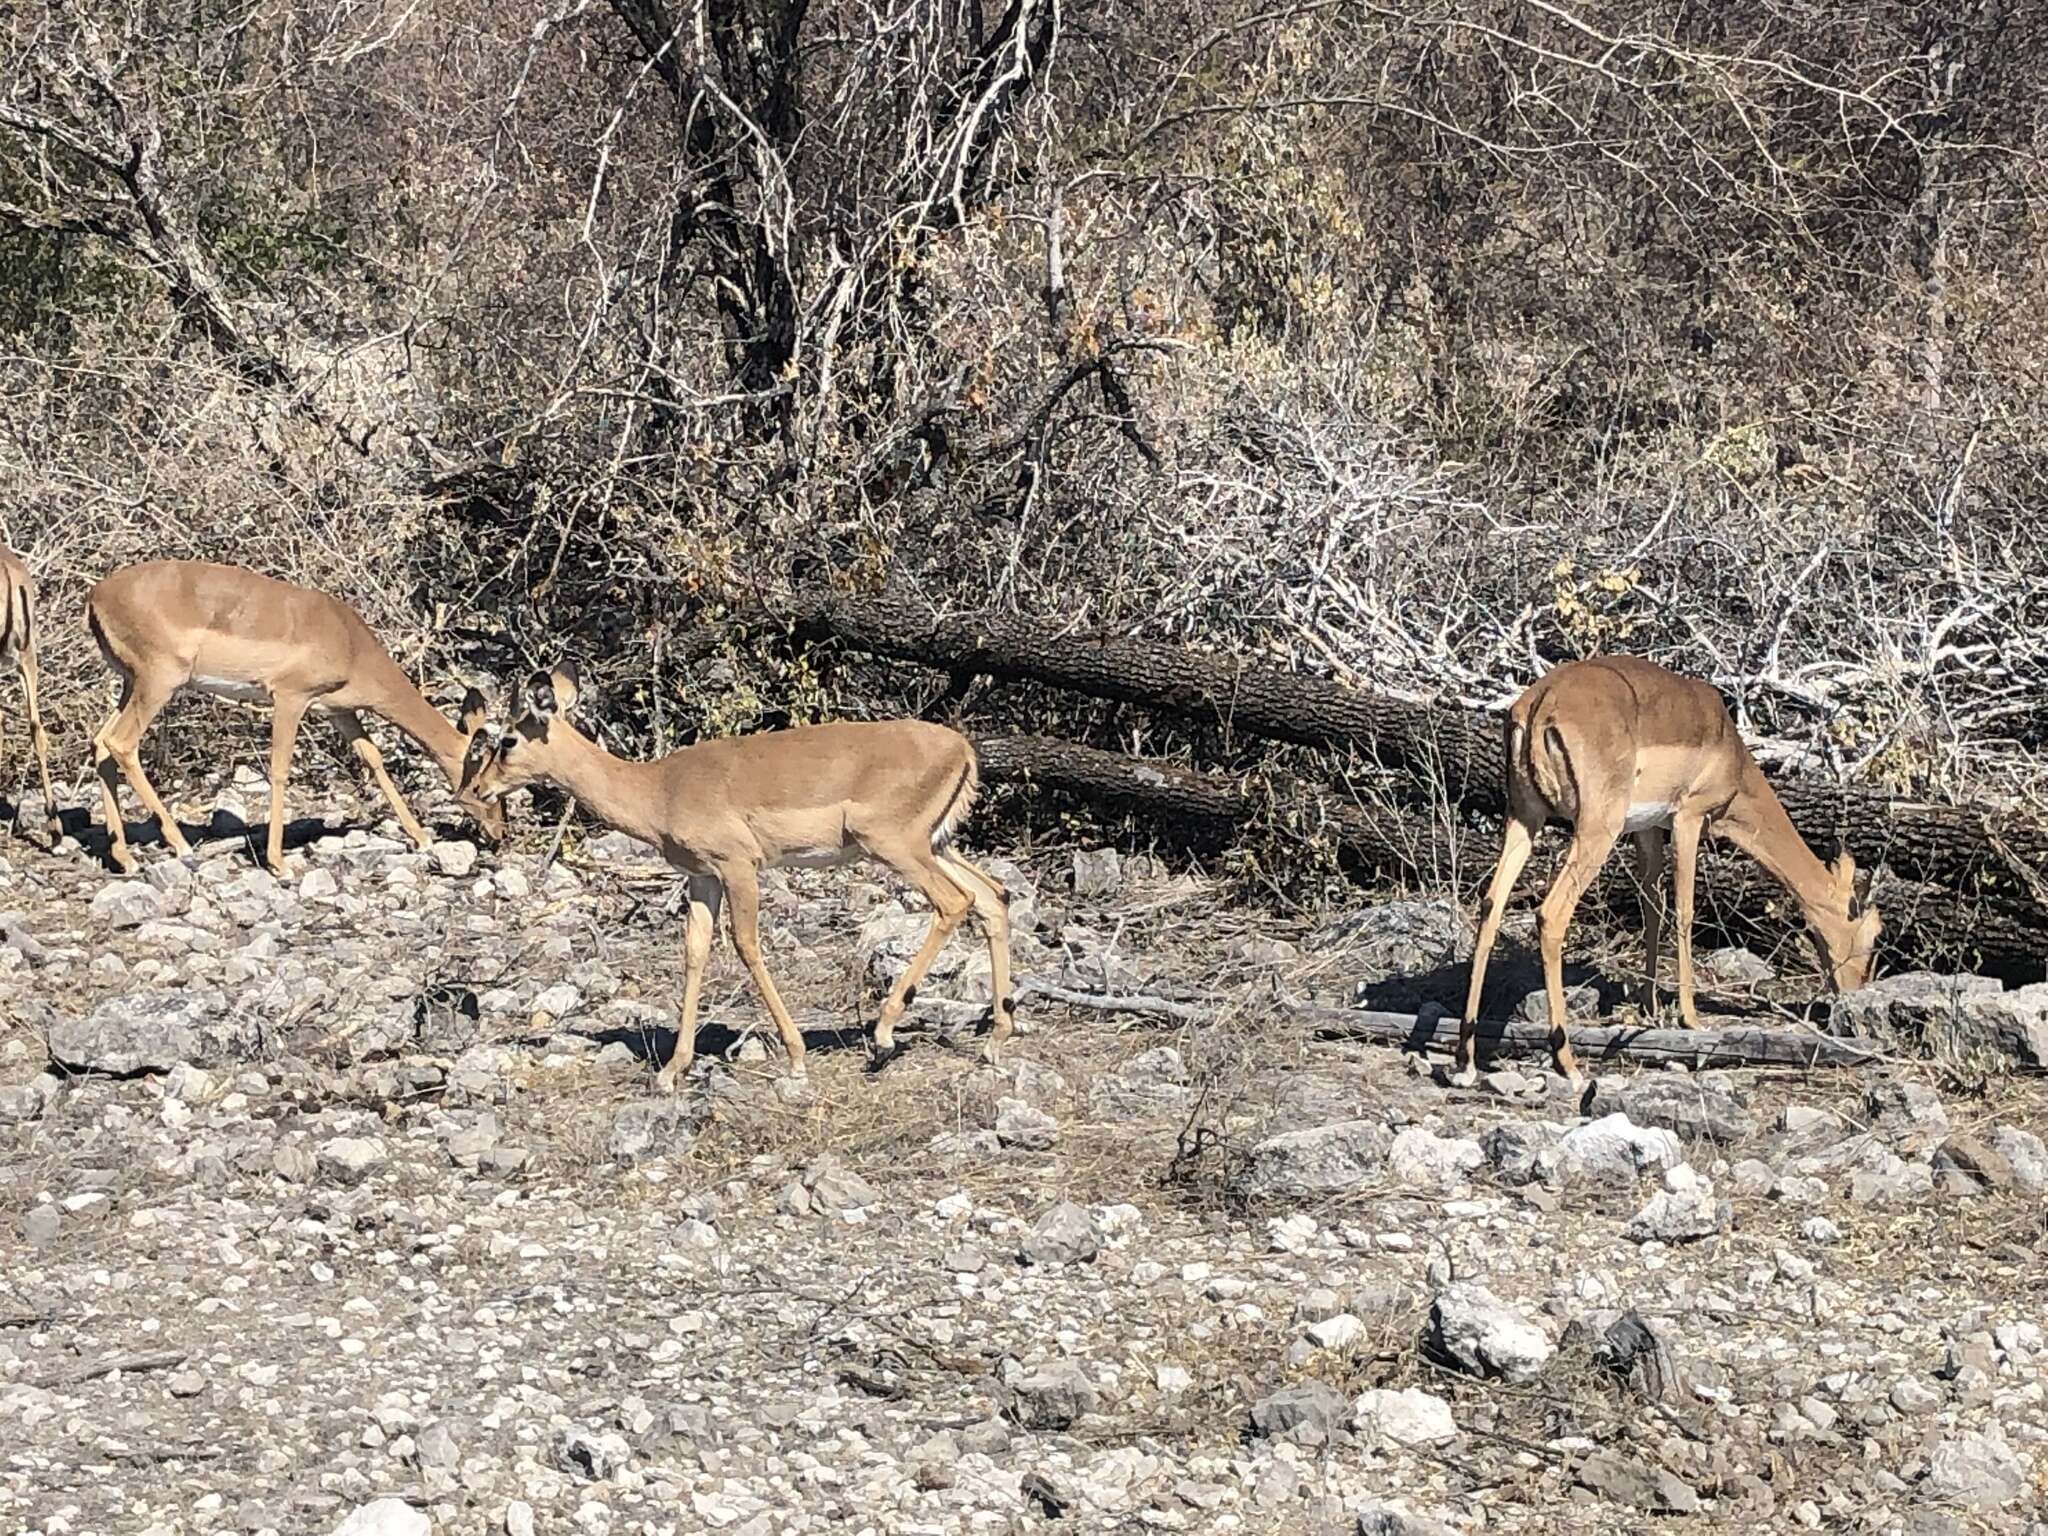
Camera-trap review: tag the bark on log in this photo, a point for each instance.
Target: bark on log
(1742, 1046)
(1992, 864)
(1925, 928)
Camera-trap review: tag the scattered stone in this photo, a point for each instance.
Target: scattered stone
(1022, 1126)
(153, 1032)
(1978, 1472)
(1325, 1160)
(1683, 1211)
(1962, 1018)
(1309, 1414)
(1051, 1396)
(1580, 1002)
(350, 1159)
(1377, 1519)
(41, 1226)
(1613, 1150)
(385, 1517)
(1964, 1164)
(457, 860)
(22, 1102)
(1912, 1396)
(1472, 1330)
(1432, 1164)
(1521, 1152)
(1098, 872)
(1625, 1480)
(1907, 1106)
(1819, 1231)
(1734, 967)
(2024, 1153)
(126, 904)
(1066, 1234)
(1396, 938)
(319, 885)
(837, 1190)
(1406, 1418)
(1335, 1333)
(650, 1128)
(594, 1458)
(1687, 1106)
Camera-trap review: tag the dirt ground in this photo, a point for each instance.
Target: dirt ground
(371, 1199)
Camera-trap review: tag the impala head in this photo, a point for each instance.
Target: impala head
(522, 751)
(488, 815)
(1848, 933)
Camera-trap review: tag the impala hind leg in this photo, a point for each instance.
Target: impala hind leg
(742, 884)
(705, 893)
(992, 911)
(350, 724)
(1516, 845)
(143, 696)
(1592, 841)
(1685, 849)
(1652, 850)
(951, 901)
(38, 742)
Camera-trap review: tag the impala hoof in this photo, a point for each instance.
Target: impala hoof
(879, 1059)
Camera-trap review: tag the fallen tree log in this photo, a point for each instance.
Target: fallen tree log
(1925, 928)
(1992, 862)
(1740, 1046)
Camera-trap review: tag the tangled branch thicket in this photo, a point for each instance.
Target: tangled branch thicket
(1422, 345)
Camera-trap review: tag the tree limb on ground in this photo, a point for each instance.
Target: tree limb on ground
(1992, 864)
(1925, 927)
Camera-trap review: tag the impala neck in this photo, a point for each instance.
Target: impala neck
(621, 793)
(1756, 822)
(405, 707)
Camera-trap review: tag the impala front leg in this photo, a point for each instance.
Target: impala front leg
(289, 710)
(705, 894)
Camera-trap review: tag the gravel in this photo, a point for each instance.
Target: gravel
(363, 1209)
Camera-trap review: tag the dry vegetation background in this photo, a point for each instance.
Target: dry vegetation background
(1423, 345)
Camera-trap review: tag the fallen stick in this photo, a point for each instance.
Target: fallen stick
(107, 1365)
(1735, 1046)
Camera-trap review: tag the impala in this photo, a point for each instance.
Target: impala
(18, 646)
(721, 811)
(1617, 745)
(223, 630)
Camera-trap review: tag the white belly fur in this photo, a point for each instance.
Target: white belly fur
(231, 688)
(1643, 817)
(816, 858)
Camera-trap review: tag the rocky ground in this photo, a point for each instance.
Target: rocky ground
(347, 1205)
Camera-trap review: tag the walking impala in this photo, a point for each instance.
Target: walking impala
(172, 624)
(722, 811)
(18, 645)
(1617, 745)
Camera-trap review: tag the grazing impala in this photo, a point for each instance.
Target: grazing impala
(1617, 745)
(722, 811)
(173, 624)
(18, 645)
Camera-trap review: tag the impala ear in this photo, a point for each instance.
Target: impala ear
(568, 684)
(471, 718)
(1853, 883)
(542, 700)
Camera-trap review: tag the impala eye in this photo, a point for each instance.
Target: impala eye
(507, 742)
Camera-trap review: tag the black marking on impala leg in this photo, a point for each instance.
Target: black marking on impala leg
(877, 1060)
(1010, 1006)
(909, 996)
